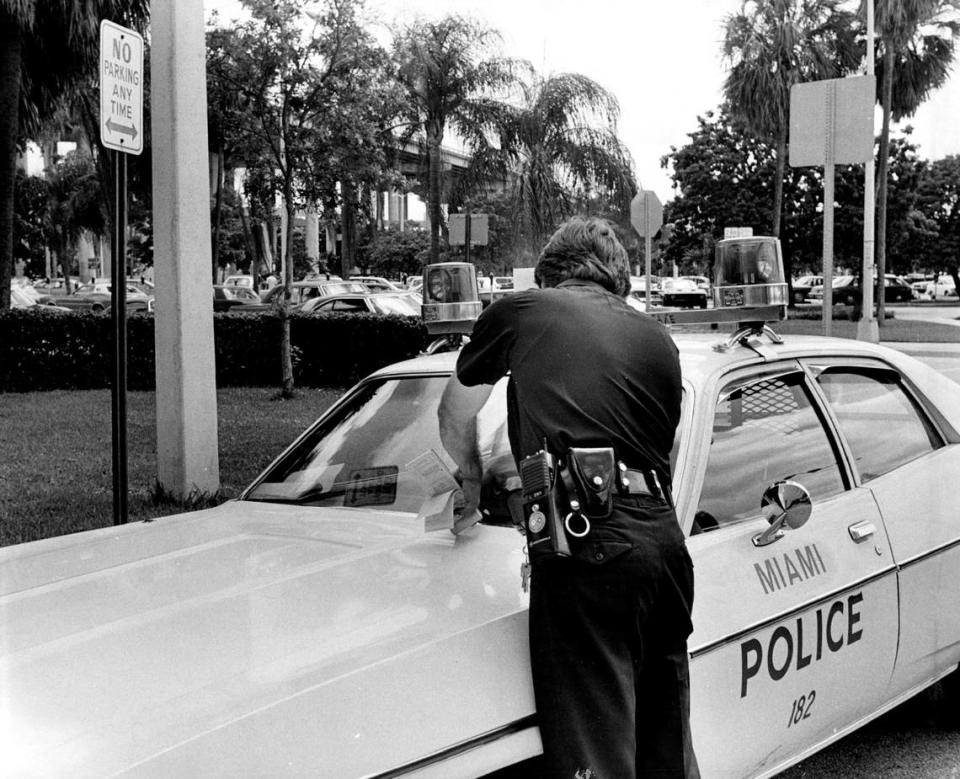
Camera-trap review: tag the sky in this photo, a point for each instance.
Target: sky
(661, 58)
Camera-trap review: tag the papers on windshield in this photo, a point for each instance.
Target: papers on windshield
(437, 511)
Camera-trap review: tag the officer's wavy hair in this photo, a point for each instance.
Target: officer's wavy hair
(585, 248)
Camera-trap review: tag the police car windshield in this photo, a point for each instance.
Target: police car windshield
(366, 452)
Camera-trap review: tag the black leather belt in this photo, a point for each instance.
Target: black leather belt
(634, 482)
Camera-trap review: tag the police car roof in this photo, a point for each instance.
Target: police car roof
(698, 355)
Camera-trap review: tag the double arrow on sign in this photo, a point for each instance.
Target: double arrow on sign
(121, 128)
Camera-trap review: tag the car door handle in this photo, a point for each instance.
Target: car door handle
(861, 531)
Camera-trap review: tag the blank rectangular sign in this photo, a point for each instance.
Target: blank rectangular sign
(832, 121)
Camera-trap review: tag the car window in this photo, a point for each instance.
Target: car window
(360, 455)
(389, 304)
(343, 304)
(883, 426)
(765, 429)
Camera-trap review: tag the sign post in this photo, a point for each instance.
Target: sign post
(468, 230)
(646, 216)
(831, 122)
(121, 130)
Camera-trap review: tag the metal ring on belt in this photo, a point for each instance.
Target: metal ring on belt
(571, 531)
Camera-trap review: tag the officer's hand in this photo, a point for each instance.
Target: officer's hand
(467, 508)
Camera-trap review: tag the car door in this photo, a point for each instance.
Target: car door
(793, 640)
(902, 453)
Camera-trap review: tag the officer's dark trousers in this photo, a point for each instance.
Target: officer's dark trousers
(608, 630)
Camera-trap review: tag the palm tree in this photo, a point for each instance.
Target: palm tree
(450, 75)
(916, 48)
(772, 45)
(44, 48)
(74, 205)
(556, 147)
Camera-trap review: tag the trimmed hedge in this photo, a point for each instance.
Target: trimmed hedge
(45, 351)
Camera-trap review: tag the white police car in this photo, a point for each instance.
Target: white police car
(329, 624)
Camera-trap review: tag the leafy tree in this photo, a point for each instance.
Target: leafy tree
(28, 236)
(558, 152)
(916, 48)
(939, 200)
(74, 205)
(301, 80)
(224, 114)
(772, 45)
(450, 74)
(394, 252)
(724, 176)
(45, 47)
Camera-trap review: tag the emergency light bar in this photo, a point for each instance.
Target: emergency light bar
(749, 288)
(451, 298)
(748, 272)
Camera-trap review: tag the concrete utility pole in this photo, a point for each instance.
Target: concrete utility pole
(187, 449)
(867, 327)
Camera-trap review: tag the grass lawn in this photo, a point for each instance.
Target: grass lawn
(56, 474)
(893, 330)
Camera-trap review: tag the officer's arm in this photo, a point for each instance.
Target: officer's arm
(458, 434)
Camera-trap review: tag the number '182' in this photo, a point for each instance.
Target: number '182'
(801, 708)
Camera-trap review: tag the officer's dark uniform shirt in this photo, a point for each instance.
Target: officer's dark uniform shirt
(585, 370)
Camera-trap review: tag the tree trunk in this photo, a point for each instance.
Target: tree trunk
(778, 182)
(10, 51)
(882, 169)
(434, 138)
(217, 212)
(253, 254)
(286, 353)
(348, 228)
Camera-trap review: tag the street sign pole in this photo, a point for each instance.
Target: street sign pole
(119, 309)
(121, 130)
(646, 216)
(867, 326)
(828, 187)
(831, 123)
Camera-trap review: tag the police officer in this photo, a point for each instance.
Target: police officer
(609, 622)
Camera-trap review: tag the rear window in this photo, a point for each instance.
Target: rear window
(883, 426)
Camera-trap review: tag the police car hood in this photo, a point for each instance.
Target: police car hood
(256, 639)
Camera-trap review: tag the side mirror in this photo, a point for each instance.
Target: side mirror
(784, 503)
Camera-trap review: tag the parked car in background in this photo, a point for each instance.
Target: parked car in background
(637, 296)
(240, 280)
(402, 303)
(378, 283)
(701, 281)
(847, 290)
(682, 293)
(302, 291)
(415, 283)
(146, 287)
(804, 286)
(25, 296)
(943, 287)
(225, 298)
(98, 296)
(493, 288)
(54, 286)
